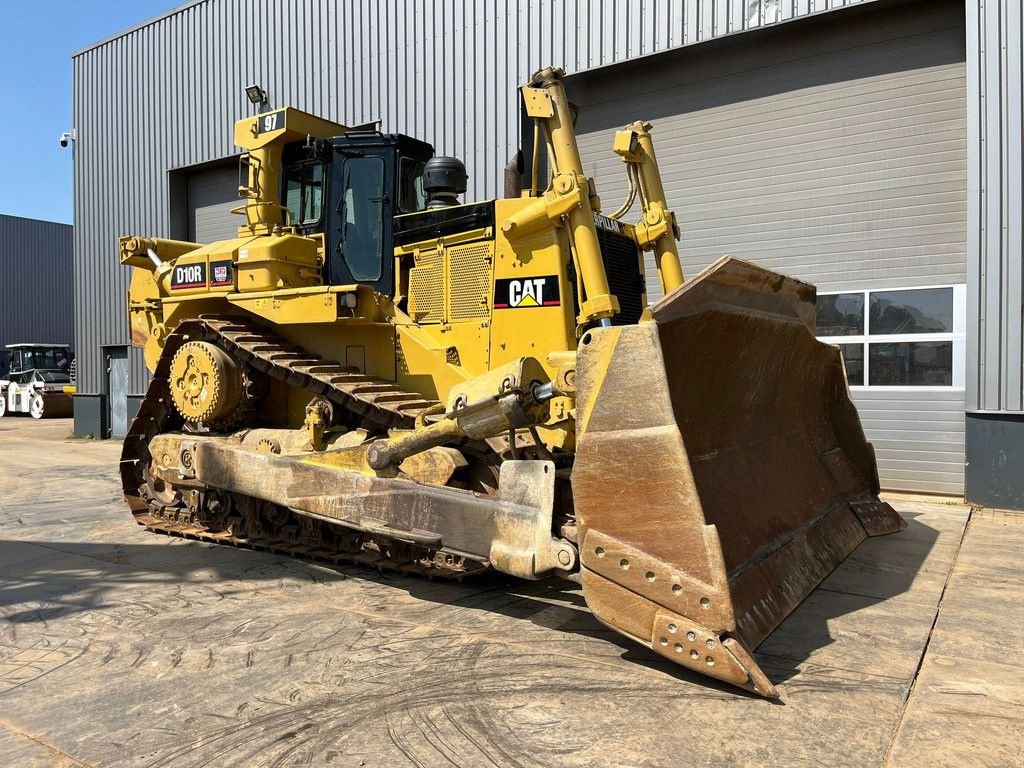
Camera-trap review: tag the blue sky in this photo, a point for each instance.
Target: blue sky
(37, 38)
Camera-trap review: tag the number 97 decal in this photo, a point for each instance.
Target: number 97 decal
(270, 122)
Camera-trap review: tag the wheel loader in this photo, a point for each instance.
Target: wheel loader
(374, 372)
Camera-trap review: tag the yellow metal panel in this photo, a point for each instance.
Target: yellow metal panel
(278, 261)
(288, 124)
(455, 238)
(469, 278)
(426, 287)
(538, 102)
(536, 330)
(434, 358)
(316, 304)
(290, 309)
(173, 283)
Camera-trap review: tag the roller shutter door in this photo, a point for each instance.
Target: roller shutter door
(831, 149)
(212, 193)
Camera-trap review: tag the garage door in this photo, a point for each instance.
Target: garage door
(212, 193)
(830, 149)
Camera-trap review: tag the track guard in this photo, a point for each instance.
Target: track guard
(744, 477)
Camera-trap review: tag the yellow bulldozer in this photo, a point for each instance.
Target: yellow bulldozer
(374, 372)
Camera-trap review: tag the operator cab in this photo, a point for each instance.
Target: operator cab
(350, 188)
(40, 363)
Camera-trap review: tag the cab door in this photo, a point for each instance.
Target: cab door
(359, 235)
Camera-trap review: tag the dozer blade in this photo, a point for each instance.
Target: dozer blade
(721, 470)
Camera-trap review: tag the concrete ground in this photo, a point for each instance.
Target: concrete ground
(120, 647)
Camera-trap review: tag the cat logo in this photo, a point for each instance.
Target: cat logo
(522, 293)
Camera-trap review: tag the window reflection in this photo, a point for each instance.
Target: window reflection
(304, 192)
(918, 311)
(911, 363)
(853, 359)
(411, 195)
(840, 314)
(363, 217)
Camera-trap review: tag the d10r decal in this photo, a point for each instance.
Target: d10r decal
(523, 292)
(189, 276)
(220, 274)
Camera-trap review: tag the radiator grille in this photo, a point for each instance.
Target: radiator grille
(469, 268)
(622, 260)
(426, 288)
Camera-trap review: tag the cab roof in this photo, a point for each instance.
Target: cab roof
(38, 346)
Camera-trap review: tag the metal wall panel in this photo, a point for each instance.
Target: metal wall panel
(36, 279)
(443, 70)
(918, 438)
(211, 196)
(830, 151)
(995, 62)
(834, 152)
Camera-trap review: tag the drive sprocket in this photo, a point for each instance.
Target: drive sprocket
(205, 383)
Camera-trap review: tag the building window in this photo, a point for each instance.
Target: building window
(853, 356)
(925, 310)
(911, 337)
(841, 314)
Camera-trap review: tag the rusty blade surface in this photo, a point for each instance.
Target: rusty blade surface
(721, 470)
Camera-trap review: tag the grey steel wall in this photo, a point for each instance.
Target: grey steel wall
(995, 304)
(211, 196)
(848, 169)
(36, 279)
(918, 438)
(995, 63)
(833, 149)
(164, 95)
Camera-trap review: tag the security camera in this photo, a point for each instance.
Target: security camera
(67, 137)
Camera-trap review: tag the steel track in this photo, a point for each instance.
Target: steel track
(363, 400)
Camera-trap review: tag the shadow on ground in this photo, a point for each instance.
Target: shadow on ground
(46, 580)
(880, 569)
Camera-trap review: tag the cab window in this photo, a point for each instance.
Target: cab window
(411, 197)
(304, 192)
(54, 359)
(362, 220)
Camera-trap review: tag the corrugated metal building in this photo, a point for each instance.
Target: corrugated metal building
(871, 147)
(36, 282)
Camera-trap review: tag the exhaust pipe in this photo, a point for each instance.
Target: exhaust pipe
(514, 176)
